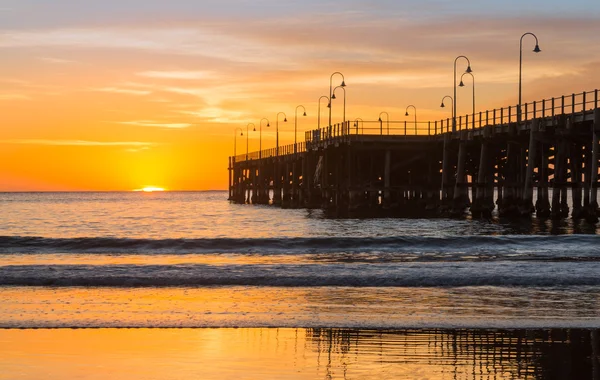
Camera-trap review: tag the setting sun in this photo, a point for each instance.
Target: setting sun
(150, 189)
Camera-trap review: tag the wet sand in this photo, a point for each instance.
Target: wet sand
(298, 354)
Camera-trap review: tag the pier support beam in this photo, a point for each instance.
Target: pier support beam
(527, 206)
(595, 153)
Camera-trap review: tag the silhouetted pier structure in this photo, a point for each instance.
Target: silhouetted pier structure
(475, 162)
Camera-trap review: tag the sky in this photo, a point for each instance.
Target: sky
(120, 95)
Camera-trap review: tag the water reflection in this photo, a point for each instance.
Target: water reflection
(299, 354)
(461, 354)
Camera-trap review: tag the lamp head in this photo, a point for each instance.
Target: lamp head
(254, 129)
(442, 105)
(241, 133)
(379, 120)
(343, 84)
(537, 48)
(304, 114)
(333, 96)
(406, 114)
(329, 105)
(268, 124)
(285, 120)
(469, 69)
(461, 84)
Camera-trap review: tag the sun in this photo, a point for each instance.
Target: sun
(150, 189)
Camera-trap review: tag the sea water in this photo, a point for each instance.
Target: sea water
(194, 260)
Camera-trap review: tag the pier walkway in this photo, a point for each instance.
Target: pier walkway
(473, 163)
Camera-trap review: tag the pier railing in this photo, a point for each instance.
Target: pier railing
(580, 103)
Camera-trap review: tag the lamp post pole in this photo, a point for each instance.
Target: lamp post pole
(296, 126)
(535, 50)
(454, 102)
(331, 90)
(381, 122)
(260, 136)
(277, 131)
(415, 108)
(362, 124)
(248, 135)
(319, 110)
(333, 97)
(462, 84)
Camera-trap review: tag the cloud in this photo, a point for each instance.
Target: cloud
(138, 144)
(145, 123)
(119, 90)
(57, 61)
(187, 75)
(14, 97)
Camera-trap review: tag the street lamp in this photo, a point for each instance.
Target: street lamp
(296, 125)
(415, 108)
(454, 102)
(331, 90)
(247, 136)
(462, 84)
(235, 141)
(535, 50)
(277, 131)
(381, 123)
(319, 109)
(362, 130)
(333, 97)
(260, 136)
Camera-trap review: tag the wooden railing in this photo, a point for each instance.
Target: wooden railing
(583, 103)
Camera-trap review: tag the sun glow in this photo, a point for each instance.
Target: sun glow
(150, 189)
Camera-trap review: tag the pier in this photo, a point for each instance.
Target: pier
(473, 163)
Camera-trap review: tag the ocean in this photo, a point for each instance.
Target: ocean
(319, 297)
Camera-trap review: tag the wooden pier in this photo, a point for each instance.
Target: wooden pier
(477, 163)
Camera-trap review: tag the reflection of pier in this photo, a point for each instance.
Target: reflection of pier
(432, 168)
(462, 354)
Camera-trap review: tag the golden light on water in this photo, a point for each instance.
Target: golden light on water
(150, 189)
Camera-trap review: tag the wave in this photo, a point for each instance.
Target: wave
(586, 244)
(307, 275)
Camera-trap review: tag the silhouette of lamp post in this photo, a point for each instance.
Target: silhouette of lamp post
(260, 135)
(235, 141)
(535, 50)
(381, 123)
(277, 131)
(454, 98)
(406, 114)
(462, 84)
(296, 125)
(362, 122)
(319, 110)
(248, 135)
(333, 97)
(331, 90)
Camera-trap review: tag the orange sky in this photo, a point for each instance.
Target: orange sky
(118, 97)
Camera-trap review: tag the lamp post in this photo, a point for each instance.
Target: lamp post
(319, 111)
(415, 108)
(333, 97)
(277, 131)
(362, 125)
(331, 90)
(296, 125)
(462, 84)
(260, 136)
(454, 102)
(535, 50)
(247, 136)
(235, 141)
(381, 122)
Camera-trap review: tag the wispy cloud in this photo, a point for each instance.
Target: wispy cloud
(187, 75)
(58, 61)
(139, 144)
(147, 123)
(119, 90)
